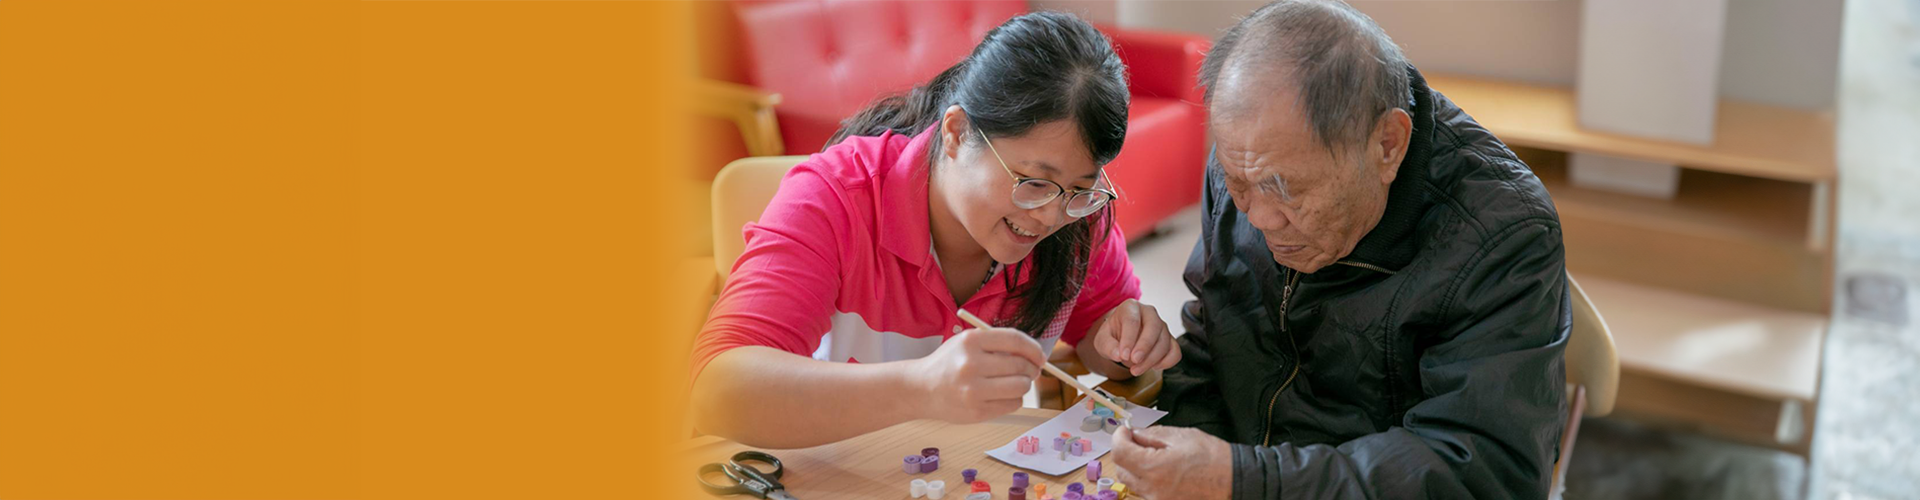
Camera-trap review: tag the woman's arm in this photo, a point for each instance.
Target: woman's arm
(769, 398)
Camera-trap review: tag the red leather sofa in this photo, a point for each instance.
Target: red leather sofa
(826, 59)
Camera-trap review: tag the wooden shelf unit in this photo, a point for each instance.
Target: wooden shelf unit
(1722, 235)
(1722, 344)
(1724, 288)
(1751, 139)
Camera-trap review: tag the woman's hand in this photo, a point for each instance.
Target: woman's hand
(977, 375)
(1133, 335)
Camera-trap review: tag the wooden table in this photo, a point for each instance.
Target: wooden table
(869, 466)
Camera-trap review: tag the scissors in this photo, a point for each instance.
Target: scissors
(747, 479)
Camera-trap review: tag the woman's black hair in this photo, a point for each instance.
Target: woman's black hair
(1033, 69)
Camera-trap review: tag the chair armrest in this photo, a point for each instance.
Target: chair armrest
(1161, 64)
(1053, 394)
(749, 108)
(1143, 390)
(1067, 359)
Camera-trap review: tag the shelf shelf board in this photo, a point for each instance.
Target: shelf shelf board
(1750, 139)
(1733, 207)
(1722, 344)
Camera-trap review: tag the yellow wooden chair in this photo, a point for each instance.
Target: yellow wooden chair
(1593, 376)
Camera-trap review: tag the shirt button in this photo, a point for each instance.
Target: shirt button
(956, 329)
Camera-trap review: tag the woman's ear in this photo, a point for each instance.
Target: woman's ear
(953, 130)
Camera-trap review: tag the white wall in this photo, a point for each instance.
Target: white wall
(1782, 52)
(1531, 41)
(1097, 11)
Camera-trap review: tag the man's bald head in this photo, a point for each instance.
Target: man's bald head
(1343, 68)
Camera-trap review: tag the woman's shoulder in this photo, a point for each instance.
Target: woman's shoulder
(858, 162)
(849, 186)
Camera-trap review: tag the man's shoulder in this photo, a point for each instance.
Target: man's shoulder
(1474, 175)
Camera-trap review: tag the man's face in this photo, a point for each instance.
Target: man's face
(1312, 206)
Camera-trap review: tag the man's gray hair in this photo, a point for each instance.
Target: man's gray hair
(1345, 67)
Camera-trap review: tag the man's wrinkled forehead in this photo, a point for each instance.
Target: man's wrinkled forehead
(1242, 173)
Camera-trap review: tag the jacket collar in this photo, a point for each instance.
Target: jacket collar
(1388, 247)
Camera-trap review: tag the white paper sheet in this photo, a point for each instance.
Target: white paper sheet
(1048, 461)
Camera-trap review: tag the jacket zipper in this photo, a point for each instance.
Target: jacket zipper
(1286, 299)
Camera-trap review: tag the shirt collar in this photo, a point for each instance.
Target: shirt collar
(902, 215)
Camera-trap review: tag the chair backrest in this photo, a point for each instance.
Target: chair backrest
(830, 58)
(1591, 360)
(740, 194)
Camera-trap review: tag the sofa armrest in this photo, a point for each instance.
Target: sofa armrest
(749, 108)
(1161, 64)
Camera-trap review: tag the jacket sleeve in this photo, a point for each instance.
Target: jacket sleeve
(1493, 386)
(1188, 391)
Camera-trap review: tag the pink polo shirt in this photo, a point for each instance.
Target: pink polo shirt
(840, 267)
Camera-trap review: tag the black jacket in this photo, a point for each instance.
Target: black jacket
(1426, 364)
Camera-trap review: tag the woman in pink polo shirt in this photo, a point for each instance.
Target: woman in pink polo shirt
(981, 190)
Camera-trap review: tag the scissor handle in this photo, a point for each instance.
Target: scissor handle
(741, 458)
(747, 479)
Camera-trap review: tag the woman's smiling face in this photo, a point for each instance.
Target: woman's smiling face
(979, 192)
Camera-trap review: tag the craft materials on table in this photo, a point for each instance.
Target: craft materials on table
(1024, 452)
(927, 461)
(1073, 450)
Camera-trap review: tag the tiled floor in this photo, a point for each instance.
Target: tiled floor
(1867, 437)
(1160, 260)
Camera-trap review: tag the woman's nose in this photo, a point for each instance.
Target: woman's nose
(1053, 214)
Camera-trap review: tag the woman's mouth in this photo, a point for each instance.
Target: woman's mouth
(1020, 235)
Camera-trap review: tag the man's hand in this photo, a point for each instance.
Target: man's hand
(1173, 462)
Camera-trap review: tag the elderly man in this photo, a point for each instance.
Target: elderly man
(1382, 287)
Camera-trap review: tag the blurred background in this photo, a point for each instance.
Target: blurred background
(1735, 178)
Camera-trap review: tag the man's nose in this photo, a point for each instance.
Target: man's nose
(1264, 217)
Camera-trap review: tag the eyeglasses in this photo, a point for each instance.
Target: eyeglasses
(1034, 192)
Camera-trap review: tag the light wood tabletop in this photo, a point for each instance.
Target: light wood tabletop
(869, 466)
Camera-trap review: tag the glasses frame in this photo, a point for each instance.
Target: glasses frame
(1100, 177)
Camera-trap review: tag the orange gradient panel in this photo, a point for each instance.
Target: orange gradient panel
(335, 250)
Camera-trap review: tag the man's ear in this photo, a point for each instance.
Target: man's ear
(953, 131)
(1388, 145)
